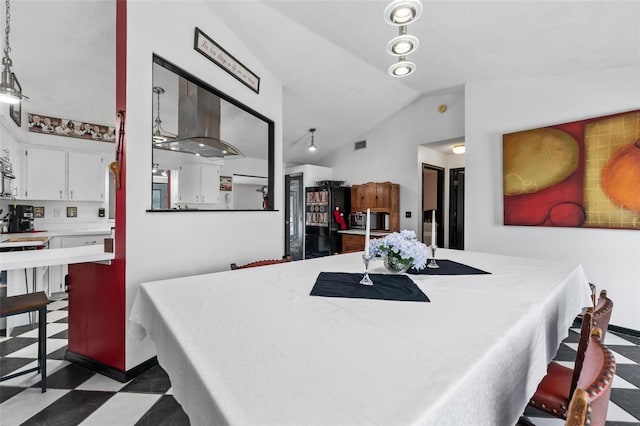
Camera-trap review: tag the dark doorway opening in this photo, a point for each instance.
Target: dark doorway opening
(294, 216)
(456, 208)
(432, 198)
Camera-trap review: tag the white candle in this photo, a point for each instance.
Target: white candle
(366, 234)
(433, 228)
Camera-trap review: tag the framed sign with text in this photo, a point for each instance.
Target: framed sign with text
(212, 51)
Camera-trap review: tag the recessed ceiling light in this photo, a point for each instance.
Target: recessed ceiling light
(458, 148)
(402, 45)
(402, 68)
(402, 12)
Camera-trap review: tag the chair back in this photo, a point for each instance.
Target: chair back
(262, 263)
(585, 332)
(602, 313)
(595, 381)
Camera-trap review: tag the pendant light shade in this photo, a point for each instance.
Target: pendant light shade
(10, 90)
(312, 146)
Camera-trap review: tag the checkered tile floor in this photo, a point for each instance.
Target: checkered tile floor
(77, 396)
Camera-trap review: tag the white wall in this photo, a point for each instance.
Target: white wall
(311, 173)
(165, 245)
(393, 146)
(610, 257)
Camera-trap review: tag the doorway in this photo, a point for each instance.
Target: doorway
(294, 216)
(432, 199)
(456, 208)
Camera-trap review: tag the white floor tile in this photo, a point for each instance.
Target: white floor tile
(54, 316)
(617, 414)
(31, 351)
(99, 382)
(620, 383)
(58, 304)
(620, 359)
(612, 339)
(19, 408)
(52, 328)
(545, 421)
(122, 409)
(170, 391)
(31, 379)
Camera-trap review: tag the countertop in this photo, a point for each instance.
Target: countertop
(373, 233)
(40, 238)
(61, 256)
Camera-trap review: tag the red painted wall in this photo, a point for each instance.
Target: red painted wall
(97, 293)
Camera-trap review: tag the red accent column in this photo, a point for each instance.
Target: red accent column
(97, 293)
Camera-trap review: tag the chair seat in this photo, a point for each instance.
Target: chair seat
(552, 392)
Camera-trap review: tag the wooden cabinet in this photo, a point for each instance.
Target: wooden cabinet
(61, 175)
(352, 243)
(379, 197)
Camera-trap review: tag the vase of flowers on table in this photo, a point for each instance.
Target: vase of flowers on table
(400, 251)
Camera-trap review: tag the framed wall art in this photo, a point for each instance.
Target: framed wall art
(580, 174)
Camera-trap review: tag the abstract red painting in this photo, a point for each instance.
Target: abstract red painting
(580, 174)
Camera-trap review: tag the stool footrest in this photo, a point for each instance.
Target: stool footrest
(21, 303)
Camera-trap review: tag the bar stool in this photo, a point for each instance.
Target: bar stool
(30, 302)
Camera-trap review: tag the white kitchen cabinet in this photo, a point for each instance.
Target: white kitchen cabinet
(60, 175)
(45, 174)
(86, 176)
(199, 184)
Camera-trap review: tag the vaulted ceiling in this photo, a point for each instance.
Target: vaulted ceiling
(330, 55)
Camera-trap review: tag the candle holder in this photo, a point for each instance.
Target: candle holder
(365, 279)
(432, 262)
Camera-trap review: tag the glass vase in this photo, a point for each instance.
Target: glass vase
(393, 264)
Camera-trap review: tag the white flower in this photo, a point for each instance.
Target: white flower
(403, 246)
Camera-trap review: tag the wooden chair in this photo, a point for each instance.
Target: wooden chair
(602, 313)
(30, 302)
(590, 400)
(262, 263)
(554, 391)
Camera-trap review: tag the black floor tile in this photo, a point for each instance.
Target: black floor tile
(69, 377)
(64, 334)
(609, 423)
(17, 331)
(573, 337)
(631, 352)
(71, 409)
(565, 353)
(629, 372)
(11, 345)
(9, 365)
(58, 353)
(165, 412)
(63, 320)
(628, 399)
(154, 380)
(633, 339)
(7, 392)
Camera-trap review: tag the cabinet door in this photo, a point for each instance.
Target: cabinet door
(355, 198)
(370, 195)
(189, 183)
(383, 196)
(86, 176)
(46, 174)
(210, 180)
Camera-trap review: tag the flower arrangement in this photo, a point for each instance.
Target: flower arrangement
(401, 249)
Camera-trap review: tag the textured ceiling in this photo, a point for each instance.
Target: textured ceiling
(330, 55)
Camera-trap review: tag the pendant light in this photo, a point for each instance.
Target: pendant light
(10, 90)
(158, 132)
(312, 147)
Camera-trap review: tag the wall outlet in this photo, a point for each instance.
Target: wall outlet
(407, 214)
(57, 212)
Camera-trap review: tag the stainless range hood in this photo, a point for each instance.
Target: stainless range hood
(199, 114)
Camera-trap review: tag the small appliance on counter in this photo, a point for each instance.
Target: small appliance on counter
(379, 221)
(6, 178)
(20, 218)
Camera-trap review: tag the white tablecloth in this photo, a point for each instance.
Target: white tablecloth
(251, 347)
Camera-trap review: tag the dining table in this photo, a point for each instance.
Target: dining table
(266, 346)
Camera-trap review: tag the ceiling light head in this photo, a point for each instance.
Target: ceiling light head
(402, 12)
(458, 148)
(10, 90)
(403, 45)
(312, 146)
(402, 68)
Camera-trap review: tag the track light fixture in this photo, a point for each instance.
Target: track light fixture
(400, 13)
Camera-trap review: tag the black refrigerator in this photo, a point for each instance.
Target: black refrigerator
(321, 223)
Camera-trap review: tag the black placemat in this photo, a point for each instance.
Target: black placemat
(448, 267)
(385, 287)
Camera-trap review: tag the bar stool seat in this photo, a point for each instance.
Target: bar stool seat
(30, 302)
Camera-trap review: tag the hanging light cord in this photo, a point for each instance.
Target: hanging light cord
(7, 29)
(158, 121)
